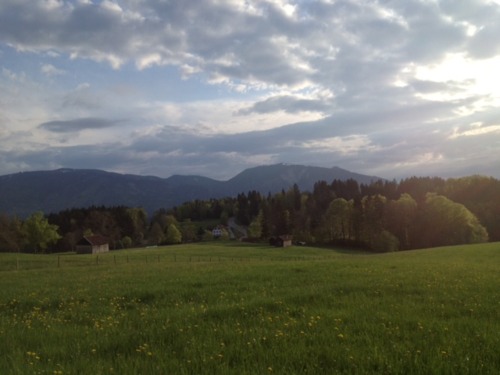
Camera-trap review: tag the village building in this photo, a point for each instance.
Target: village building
(217, 232)
(281, 241)
(92, 245)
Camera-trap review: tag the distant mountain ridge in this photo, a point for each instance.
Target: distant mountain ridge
(52, 191)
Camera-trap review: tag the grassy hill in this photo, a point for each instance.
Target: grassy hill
(231, 308)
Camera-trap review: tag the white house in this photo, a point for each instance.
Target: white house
(217, 232)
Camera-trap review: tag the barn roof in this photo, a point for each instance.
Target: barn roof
(94, 240)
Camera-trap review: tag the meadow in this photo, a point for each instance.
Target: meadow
(234, 308)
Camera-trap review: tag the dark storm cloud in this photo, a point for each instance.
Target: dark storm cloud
(288, 104)
(70, 126)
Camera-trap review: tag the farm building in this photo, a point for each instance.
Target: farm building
(92, 245)
(281, 241)
(217, 232)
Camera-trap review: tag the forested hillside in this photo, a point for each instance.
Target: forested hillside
(54, 191)
(382, 216)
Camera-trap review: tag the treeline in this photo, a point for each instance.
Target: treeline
(124, 227)
(383, 216)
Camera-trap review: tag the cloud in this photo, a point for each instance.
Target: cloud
(288, 104)
(262, 45)
(383, 86)
(82, 97)
(51, 70)
(71, 126)
(476, 129)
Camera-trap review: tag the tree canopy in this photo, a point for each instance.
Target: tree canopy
(38, 233)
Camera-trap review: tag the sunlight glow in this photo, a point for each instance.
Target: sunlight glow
(476, 130)
(344, 145)
(423, 159)
(475, 78)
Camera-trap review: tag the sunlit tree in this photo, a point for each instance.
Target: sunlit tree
(255, 227)
(450, 223)
(38, 233)
(173, 235)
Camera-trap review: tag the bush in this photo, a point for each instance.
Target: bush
(385, 242)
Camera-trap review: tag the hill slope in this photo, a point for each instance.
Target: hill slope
(53, 191)
(273, 178)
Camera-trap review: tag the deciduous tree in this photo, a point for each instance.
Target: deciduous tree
(173, 236)
(38, 233)
(255, 227)
(337, 219)
(401, 217)
(450, 223)
(10, 234)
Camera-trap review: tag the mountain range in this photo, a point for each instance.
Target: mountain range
(52, 191)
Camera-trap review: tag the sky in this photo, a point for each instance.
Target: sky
(162, 87)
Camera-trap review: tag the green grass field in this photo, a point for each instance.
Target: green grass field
(231, 308)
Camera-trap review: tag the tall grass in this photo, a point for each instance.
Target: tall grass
(246, 309)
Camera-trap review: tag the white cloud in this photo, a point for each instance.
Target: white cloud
(222, 117)
(352, 144)
(148, 61)
(51, 70)
(475, 130)
(112, 6)
(423, 159)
